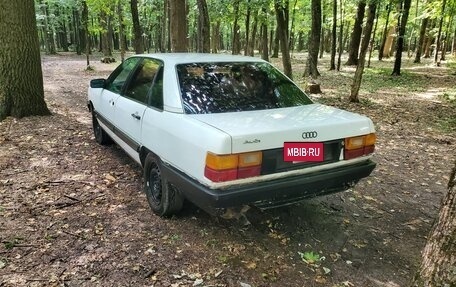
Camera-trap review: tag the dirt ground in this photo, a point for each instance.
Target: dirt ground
(73, 214)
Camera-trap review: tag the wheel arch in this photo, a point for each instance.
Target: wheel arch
(143, 153)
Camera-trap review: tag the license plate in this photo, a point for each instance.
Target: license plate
(299, 152)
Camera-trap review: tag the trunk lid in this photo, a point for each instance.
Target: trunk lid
(269, 129)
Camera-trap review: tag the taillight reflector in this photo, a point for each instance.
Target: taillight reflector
(234, 166)
(359, 146)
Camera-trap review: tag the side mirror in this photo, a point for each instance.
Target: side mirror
(97, 83)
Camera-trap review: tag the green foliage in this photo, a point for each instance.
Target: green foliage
(310, 257)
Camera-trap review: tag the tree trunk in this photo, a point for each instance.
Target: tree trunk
(385, 32)
(247, 29)
(412, 34)
(236, 49)
(264, 38)
(178, 18)
(137, 31)
(439, 34)
(453, 45)
(77, 31)
(400, 40)
(291, 40)
(446, 39)
(275, 50)
(341, 35)
(283, 34)
(121, 31)
(362, 56)
(50, 44)
(215, 37)
(419, 48)
(334, 37)
(355, 38)
(438, 265)
(62, 33)
(85, 25)
(372, 41)
(204, 39)
(107, 53)
(322, 35)
(314, 41)
(21, 78)
(251, 46)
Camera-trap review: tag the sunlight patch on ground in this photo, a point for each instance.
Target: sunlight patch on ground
(431, 94)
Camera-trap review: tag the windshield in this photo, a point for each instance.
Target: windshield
(234, 87)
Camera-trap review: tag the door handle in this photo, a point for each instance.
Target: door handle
(136, 116)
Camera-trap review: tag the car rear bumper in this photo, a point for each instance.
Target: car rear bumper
(269, 193)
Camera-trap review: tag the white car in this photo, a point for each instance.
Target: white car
(224, 131)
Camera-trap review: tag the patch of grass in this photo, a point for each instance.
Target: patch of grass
(380, 79)
(449, 97)
(10, 244)
(447, 125)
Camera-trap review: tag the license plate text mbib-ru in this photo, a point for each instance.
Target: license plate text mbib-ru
(297, 151)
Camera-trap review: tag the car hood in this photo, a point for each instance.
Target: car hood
(268, 129)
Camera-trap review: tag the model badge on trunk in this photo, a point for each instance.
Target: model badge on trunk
(309, 135)
(252, 141)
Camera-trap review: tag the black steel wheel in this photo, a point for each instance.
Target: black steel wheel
(163, 197)
(100, 135)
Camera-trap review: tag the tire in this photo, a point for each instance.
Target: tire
(100, 135)
(163, 197)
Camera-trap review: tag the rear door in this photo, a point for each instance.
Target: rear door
(133, 102)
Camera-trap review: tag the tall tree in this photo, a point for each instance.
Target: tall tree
(247, 29)
(178, 18)
(439, 34)
(334, 37)
(314, 42)
(85, 25)
(341, 35)
(355, 38)
(137, 31)
(362, 56)
(420, 47)
(402, 23)
(438, 265)
(21, 78)
(204, 42)
(385, 31)
(236, 49)
(264, 37)
(372, 41)
(121, 30)
(281, 8)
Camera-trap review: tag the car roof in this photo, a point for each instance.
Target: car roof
(185, 58)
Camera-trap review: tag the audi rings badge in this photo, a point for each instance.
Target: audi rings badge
(309, 135)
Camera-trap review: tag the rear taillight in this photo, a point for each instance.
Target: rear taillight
(233, 166)
(359, 146)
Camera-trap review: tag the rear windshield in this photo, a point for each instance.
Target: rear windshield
(234, 87)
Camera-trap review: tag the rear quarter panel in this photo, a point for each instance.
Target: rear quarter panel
(182, 141)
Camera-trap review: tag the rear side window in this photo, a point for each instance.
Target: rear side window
(142, 80)
(234, 87)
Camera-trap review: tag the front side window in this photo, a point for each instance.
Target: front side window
(142, 80)
(233, 87)
(118, 78)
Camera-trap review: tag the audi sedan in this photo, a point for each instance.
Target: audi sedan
(225, 131)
